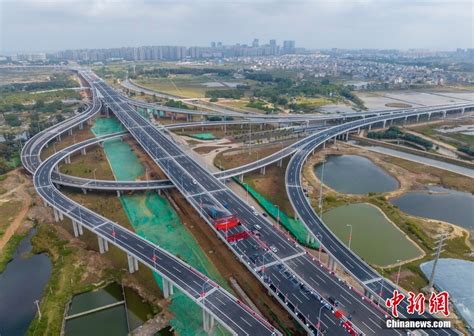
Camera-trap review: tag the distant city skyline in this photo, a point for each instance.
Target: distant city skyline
(53, 25)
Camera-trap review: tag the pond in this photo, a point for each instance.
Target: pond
(456, 277)
(439, 203)
(21, 283)
(374, 238)
(115, 320)
(353, 174)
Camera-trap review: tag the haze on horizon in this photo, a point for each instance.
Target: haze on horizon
(52, 25)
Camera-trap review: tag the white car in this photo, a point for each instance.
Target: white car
(274, 249)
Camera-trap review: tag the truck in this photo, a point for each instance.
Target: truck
(226, 223)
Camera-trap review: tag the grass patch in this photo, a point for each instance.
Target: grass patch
(8, 211)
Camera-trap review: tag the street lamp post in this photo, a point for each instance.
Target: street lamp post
(320, 237)
(319, 319)
(399, 270)
(321, 181)
(278, 214)
(350, 235)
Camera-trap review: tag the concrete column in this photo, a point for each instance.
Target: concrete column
(58, 137)
(83, 151)
(444, 114)
(405, 121)
(262, 170)
(324, 144)
(158, 191)
(70, 131)
(335, 140)
(75, 228)
(101, 144)
(167, 288)
(417, 117)
(56, 215)
(61, 216)
(280, 163)
(131, 263)
(84, 190)
(241, 178)
(119, 193)
(384, 123)
(370, 127)
(207, 321)
(347, 136)
(102, 245)
(429, 116)
(67, 159)
(80, 229)
(463, 110)
(81, 125)
(135, 263)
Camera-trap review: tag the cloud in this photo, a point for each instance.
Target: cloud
(34, 25)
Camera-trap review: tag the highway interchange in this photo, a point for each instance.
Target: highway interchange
(299, 281)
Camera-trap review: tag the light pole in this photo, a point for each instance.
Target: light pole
(321, 181)
(399, 269)
(319, 318)
(278, 214)
(320, 237)
(38, 308)
(350, 235)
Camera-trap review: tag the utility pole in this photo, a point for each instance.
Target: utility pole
(439, 249)
(38, 308)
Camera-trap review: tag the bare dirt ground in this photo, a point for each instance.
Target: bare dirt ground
(18, 187)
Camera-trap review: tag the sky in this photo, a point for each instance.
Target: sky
(51, 25)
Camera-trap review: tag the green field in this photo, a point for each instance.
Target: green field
(375, 239)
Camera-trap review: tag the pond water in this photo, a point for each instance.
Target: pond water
(374, 237)
(353, 174)
(21, 283)
(456, 277)
(114, 320)
(435, 202)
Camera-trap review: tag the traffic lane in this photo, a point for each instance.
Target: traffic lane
(364, 314)
(242, 318)
(161, 262)
(305, 303)
(251, 221)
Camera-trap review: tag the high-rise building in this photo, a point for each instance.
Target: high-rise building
(213, 44)
(273, 43)
(255, 43)
(288, 47)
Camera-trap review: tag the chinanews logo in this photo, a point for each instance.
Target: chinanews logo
(415, 306)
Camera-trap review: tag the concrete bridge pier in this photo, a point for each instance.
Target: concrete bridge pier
(370, 127)
(158, 191)
(101, 144)
(417, 117)
(429, 116)
(189, 117)
(103, 245)
(347, 136)
(368, 294)
(58, 138)
(56, 215)
(173, 115)
(335, 140)
(280, 163)
(75, 228)
(463, 110)
(310, 239)
(61, 216)
(444, 114)
(81, 126)
(262, 170)
(83, 151)
(331, 263)
(241, 178)
(119, 193)
(84, 190)
(384, 123)
(70, 131)
(67, 159)
(167, 288)
(132, 263)
(56, 169)
(208, 321)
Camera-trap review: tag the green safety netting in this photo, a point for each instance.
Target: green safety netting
(153, 218)
(103, 126)
(203, 136)
(295, 227)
